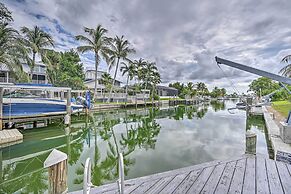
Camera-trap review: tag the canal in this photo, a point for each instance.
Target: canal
(152, 140)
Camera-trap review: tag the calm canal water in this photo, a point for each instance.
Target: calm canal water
(152, 140)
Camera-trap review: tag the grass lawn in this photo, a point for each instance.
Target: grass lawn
(282, 107)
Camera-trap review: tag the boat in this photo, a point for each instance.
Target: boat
(25, 104)
(241, 105)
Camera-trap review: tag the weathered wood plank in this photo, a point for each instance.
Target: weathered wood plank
(145, 186)
(174, 183)
(226, 177)
(188, 181)
(238, 176)
(201, 180)
(273, 177)
(160, 185)
(261, 176)
(249, 184)
(284, 176)
(214, 178)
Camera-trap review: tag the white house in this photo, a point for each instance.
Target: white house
(39, 73)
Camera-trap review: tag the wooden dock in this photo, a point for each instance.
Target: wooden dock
(246, 174)
(10, 137)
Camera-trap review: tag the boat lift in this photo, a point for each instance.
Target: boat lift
(67, 113)
(282, 80)
(249, 69)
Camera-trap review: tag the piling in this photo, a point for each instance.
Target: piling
(251, 142)
(1, 107)
(68, 115)
(56, 163)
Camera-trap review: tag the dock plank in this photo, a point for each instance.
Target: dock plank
(226, 177)
(247, 174)
(145, 186)
(187, 182)
(213, 180)
(261, 175)
(238, 177)
(174, 183)
(284, 176)
(160, 185)
(273, 177)
(249, 184)
(199, 183)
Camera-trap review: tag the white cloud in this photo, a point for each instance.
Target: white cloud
(182, 36)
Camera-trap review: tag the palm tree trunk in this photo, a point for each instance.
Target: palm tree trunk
(126, 89)
(32, 66)
(96, 72)
(113, 82)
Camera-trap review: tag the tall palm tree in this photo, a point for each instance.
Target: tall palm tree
(148, 70)
(35, 41)
(96, 41)
(139, 64)
(129, 69)
(155, 79)
(106, 80)
(120, 49)
(286, 71)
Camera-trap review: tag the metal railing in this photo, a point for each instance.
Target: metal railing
(87, 184)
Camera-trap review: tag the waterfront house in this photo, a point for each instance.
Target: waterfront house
(39, 73)
(90, 80)
(166, 91)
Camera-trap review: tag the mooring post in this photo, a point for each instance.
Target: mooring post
(1, 107)
(56, 163)
(68, 115)
(251, 142)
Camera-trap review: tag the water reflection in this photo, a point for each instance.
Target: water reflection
(151, 140)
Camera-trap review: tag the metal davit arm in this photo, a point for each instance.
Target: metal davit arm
(254, 70)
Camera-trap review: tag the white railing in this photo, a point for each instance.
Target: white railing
(120, 181)
(87, 184)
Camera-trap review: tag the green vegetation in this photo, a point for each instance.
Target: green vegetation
(282, 107)
(198, 89)
(286, 71)
(64, 69)
(264, 86)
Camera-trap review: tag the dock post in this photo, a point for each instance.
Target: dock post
(1, 107)
(68, 115)
(56, 163)
(251, 142)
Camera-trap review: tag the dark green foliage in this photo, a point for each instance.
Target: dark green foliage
(65, 69)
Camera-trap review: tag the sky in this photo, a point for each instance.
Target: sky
(182, 37)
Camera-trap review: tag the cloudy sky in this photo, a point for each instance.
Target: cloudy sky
(182, 36)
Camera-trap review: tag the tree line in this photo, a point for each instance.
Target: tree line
(199, 89)
(65, 68)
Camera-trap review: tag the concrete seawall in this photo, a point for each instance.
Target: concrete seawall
(282, 151)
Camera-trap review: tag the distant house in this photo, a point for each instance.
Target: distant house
(166, 91)
(39, 73)
(90, 80)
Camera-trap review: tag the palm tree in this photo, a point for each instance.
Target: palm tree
(148, 70)
(35, 41)
(286, 71)
(52, 59)
(155, 79)
(129, 69)
(120, 49)
(106, 80)
(96, 42)
(201, 87)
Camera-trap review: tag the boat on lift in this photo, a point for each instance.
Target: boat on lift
(19, 103)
